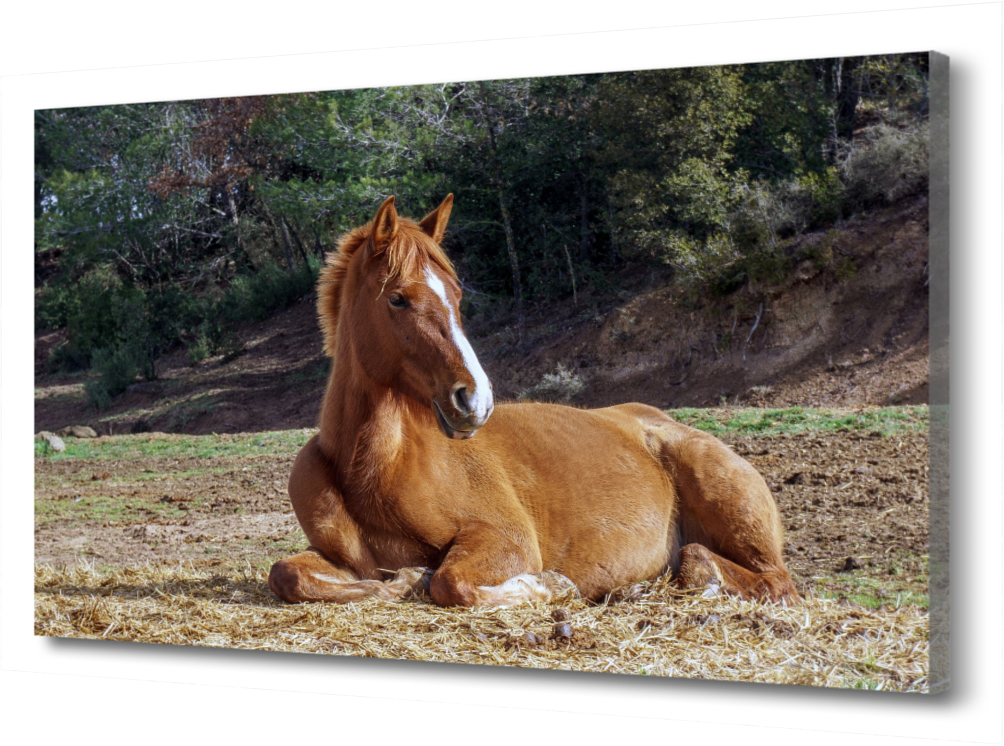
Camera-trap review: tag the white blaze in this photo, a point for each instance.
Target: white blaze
(481, 398)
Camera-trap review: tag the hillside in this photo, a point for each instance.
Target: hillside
(850, 328)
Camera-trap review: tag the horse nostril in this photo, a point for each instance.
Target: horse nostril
(461, 401)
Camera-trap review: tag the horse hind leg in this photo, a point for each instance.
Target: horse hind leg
(310, 576)
(727, 521)
(702, 568)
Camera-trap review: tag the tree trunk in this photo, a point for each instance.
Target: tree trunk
(585, 236)
(296, 239)
(848, 96)
(237, 223)
(615, 255)
(318, 248)
(510, 241)
(285, 244)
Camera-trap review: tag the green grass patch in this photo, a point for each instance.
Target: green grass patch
(100, 508)
(885, 421)
(869, 684)
(873, 592)
(160, 445)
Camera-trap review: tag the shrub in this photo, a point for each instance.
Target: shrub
(700, 264)
(230, 346)
(255, 297)
(134, 335)
(120, 331)
(174, 315)
(117, 368)
(748, 242)
(90, 323)
(773, 210)
(63, 360)
(885, 164)
(560, 386)
(199, 349)
(53, 306)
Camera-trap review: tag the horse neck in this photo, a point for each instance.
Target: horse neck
(361, 421)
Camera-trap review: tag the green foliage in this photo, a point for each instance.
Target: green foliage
(62, 360)
(790, 119)
(172, 222)
(199, 349)
(254, 297)
(99, 311)
(54, 304)
(117, 368)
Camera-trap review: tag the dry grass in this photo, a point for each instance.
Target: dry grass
(655, 631)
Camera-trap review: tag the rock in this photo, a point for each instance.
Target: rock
(849, 564)
(52, 440)
(77, 431)
(898, 396)
(530, 638)
(560, 615)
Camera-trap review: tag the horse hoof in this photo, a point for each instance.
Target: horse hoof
(713, 589)
(415, 578)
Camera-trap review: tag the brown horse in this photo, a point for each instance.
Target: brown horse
(395, 492)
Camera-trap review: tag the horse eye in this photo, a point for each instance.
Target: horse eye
(397, 300)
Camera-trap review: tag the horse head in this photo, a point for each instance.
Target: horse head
(404, 317)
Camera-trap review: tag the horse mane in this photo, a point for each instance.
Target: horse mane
(407, 253)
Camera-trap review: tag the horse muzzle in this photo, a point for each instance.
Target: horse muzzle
(461, 420)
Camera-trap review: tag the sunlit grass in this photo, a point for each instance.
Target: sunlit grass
(161, 445)
(79, 509)
(884, 421)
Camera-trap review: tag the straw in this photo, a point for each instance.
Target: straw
(656, 631)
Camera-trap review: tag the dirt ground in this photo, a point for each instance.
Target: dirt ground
(854, 506)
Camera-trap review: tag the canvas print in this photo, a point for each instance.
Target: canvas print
(630, 372)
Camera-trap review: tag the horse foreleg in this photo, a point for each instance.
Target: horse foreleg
(310, 576)
(524, 588)
(486, 568)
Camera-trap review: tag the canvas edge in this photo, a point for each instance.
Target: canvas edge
(939, 673)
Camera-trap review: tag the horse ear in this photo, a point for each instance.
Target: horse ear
(434, 224)
(384, 224)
